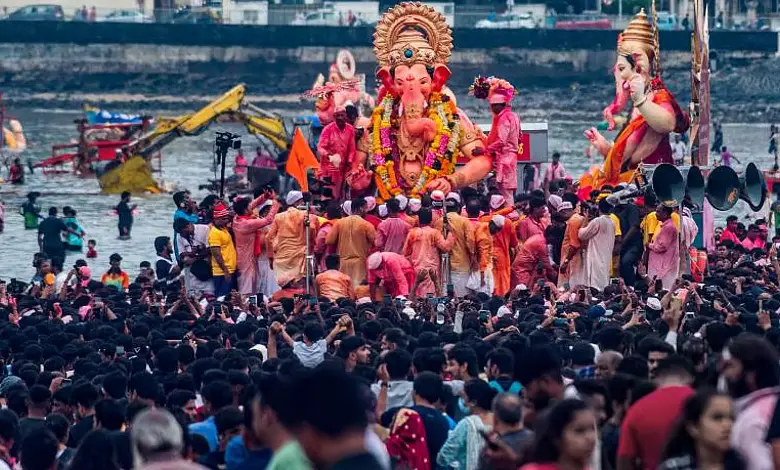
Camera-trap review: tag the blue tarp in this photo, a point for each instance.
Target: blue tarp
(104, 117)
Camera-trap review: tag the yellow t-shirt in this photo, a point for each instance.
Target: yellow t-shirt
(221, 239)
(616, 220)
(650, 225)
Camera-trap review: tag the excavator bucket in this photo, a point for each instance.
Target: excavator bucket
(134, 175)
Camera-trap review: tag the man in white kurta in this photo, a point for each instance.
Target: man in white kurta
(599, 234)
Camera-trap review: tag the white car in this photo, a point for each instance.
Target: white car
(508, 21)
(319, 18)
(125, 16)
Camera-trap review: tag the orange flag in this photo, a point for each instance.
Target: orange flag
(300, 159)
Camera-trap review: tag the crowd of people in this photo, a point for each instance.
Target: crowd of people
(455, 331)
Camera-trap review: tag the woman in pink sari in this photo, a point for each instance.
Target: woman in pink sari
(248, 241)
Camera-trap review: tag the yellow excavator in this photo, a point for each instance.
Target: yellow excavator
(132, 170)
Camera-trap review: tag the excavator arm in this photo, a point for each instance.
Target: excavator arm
(191, 124)
(262, 123)
(257, 121)
(134, 175)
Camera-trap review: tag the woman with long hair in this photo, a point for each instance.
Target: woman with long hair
(566, 439)
(464, 444)
(96, 452)
(702, 437)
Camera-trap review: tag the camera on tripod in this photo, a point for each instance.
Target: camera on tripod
(226, 141)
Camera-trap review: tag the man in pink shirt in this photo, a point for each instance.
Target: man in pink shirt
(391, 233)
(554, 171)
(534, 223)
(532, 262)
(393, 270)
(504, 139)
(753, 238)
(730, 233)
(336, 149)
(664, 257)
(423, 248)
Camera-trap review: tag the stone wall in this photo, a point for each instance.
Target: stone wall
(275, 60)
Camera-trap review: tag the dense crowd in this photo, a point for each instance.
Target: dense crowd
(454, 331)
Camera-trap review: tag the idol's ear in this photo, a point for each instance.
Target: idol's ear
(383, 74)
(440, 76)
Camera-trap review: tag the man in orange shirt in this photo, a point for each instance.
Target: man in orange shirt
(354, 238)
(463, 249)
(483, 250)
(572, 270)
(504, 246)
(333, 284)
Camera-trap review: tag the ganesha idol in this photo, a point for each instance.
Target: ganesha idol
(654, 112)
(343, 87)
(416, 133)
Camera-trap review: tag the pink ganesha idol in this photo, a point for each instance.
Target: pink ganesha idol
(416, 133)
(654, 113)
(343, 88)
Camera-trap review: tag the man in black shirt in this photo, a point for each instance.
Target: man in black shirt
(84, 396)
(125, 212)
(164, 268)
(50, 236)
(632, 245)
(37, 406)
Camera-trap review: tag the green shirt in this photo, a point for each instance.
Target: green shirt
(289, 457)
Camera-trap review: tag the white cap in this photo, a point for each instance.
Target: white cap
(370, 203)
(409, 312)
(375, 260)
(555, 201)
(653, 303)
(496, 201)
(503, 310)
(564, 206)
(414, 204)
(437, 195)
(499, 220)
(382, 210)
(402, 201)
(521, 287)
(266, 203)
(293, 197)
(262, 348)
(363, 300)
(347, 207)
(454, 196)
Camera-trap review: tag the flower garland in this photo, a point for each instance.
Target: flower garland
(440, 157)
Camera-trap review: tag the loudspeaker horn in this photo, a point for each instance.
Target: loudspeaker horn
(668, 184)
(694, 185)
(753, 189)
(722, 188)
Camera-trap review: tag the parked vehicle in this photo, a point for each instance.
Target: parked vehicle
(324, 17)
(195, 15)
(583, 21)
(125, 16)
(38, 13)
(666, 21)
(508, 21)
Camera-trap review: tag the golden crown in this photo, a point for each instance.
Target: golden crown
(411, 33)
(638, 35)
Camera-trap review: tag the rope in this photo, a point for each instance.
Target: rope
(656, 45)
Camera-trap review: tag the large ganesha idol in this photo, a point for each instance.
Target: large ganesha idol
(342, 87)
(416, 132)
(654, 114)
